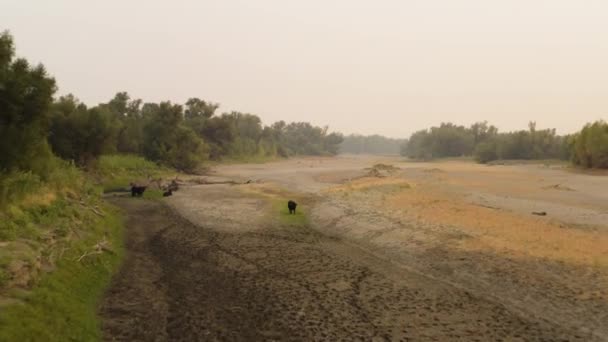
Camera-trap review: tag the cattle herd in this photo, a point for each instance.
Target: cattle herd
(138, 191)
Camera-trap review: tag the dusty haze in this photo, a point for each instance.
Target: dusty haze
(388, 67)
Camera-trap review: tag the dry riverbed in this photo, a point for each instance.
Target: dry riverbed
(435, 251)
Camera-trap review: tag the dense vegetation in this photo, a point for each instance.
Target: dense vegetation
(590, 146)
(51, 275)
(51, 214)
(179, 136)
(371, 144)
(182, 137)
(486, 144)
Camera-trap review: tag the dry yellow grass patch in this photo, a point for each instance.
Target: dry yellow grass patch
(44, 198)
(503, 231)
(267, 190)
(368, 183)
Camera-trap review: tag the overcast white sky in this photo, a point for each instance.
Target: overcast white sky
(387, 67)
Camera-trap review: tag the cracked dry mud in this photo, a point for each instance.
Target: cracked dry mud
(211, 266)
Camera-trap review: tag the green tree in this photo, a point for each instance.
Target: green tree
(220, 134)
(371, 144)
(420, 145)
(197, 108)
(590, 146)
(167, 140)
(331, 142)
(485, 152)
(81, 134)
(25, 98)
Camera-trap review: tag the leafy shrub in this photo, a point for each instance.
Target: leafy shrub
(485, 152)
(590, 146)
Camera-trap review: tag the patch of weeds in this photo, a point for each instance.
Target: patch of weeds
(299, 219)
(116, 172)
(63, 304)
(255, 159)
(153, 194)
(8, 231)
(4, 277)
(387, 188)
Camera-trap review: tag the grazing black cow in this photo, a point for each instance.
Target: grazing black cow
(291, 205)
(137, 190)
(167, 193)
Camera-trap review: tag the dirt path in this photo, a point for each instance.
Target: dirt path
(211, 265)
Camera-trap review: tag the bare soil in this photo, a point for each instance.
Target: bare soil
(382, 259)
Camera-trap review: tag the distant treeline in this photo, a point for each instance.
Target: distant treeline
(34, 127)
(587, 148)
(370, 144)
(179, 136)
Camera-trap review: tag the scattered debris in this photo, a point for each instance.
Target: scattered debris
(96, 211)
(99, 248)
(433, 170)
(205, 181)
(381, 170)
(375, 173)
(385, 167)
(558, 187)
(488, 206)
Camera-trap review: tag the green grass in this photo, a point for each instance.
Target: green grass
(51, 222)
(63, 304)
(153, 194)
(299, 220)
(386, 188)
(116, 171)
(16, 186)
(254, 159)
(545, 162)
(125, 162)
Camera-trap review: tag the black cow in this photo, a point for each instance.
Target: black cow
(291, 205)
(137, 190)
(173, 186)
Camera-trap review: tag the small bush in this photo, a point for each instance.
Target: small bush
(590, 146)
(485, 152)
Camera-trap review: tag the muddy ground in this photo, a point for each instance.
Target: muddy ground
(372, 263)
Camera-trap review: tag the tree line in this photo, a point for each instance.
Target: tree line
(35, 127)
(587, 148)
(371, 144)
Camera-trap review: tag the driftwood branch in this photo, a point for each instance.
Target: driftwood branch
(96, 211)
(99, 248)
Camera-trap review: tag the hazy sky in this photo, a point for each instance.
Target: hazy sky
(388, 67)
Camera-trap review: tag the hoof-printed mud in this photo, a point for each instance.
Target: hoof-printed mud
(206, 282)
(434, 251)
